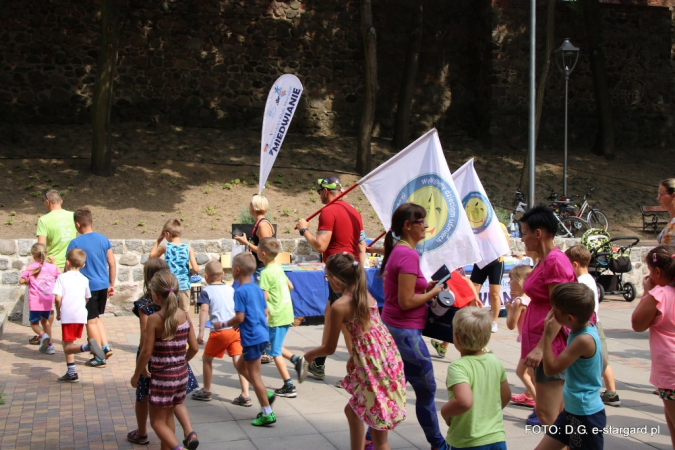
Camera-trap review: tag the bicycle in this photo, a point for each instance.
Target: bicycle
(568, 226)
(595, 217)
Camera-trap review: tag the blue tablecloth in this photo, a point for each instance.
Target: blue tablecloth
(310, 292)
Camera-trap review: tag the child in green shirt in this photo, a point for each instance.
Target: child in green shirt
(277, 288)
(477, 386)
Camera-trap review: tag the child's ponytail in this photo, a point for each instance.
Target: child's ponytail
(165, 285)
(39, 254)
(349, 272)
(663, 257)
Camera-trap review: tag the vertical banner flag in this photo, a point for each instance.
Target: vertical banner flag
(282, 102)
(420, 174)
(489, 235)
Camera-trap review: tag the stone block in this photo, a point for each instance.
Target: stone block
(25, 245)
(198, 246)
(226, 245)
(123, 275)
(212, 246)
(148, 244)
(4, 263)
(18, 265)
(314, 257)
(135, 245)
(128, 260)
(303, 248)
(10, 277)
(7, 247)
(202, 258)
(288, 245)
(117, 246)
(138, 275)
(145, 258)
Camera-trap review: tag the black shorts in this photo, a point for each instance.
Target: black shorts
(96, 304)
(332, 295)
(493, 272)
(583, 432)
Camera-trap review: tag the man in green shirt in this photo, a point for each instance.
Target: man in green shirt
(56, 228)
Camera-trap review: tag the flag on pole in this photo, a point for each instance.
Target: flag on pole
(420, 174)
(489, 234)
(282, 102)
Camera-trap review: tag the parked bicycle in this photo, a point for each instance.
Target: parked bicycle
(569, 226)
(563, 207)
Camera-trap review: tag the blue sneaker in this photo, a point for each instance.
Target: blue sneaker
(532, 419)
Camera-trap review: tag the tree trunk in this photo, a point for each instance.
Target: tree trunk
(402, 121)
(544, 72)
(363, 154)
(101, 151)
(604, 140)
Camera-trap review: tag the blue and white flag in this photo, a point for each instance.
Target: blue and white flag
(419, 174)
(282, 102)
(489, 234)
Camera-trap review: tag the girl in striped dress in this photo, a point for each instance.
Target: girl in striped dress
(168, 332)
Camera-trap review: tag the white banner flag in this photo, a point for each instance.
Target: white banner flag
(282, 102)
(419, 174)
(490, 237)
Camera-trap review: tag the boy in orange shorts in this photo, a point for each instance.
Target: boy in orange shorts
(71, 294)
(217, 304)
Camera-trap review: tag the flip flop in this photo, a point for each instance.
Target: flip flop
(35, 340)
(191, 442)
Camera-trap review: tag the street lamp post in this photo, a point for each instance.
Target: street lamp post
(566, 58)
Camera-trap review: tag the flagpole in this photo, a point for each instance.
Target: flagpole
(377, 239)
(332, 201)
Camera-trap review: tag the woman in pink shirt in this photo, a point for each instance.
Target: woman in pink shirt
(406, 293)
(539, 226)
(656, 312)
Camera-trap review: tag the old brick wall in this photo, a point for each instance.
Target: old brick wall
(639, 48)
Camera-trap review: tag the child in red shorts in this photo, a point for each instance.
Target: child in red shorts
(71, 293)
(217, 304)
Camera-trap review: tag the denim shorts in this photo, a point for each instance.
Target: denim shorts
(35, 316)
(277, 336)
(582, 432)
(254, 351)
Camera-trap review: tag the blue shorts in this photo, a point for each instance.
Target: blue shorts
(254, 351)
(583, 432)
(277, 336)
(495, 446)
(35, 316)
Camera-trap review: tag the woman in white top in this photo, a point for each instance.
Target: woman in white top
(666, 199)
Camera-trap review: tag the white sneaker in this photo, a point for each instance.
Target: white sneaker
(50, 350)
(495, 327)
(44, 342)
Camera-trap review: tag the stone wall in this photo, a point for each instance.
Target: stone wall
(639, 43)
(130, 255)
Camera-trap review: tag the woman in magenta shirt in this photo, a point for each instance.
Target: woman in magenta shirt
(539, 226)
(406, 293)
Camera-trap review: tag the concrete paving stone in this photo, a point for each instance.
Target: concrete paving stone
(291, 440)
(215, 432)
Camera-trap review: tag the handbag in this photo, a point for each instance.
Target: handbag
(440, 327)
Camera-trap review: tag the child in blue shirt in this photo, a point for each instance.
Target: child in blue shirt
(572, 305)
(251, 319)
(180, 258)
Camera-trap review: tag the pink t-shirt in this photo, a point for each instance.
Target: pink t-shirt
(662, 338)
(555, 268)
(524, 301)
(40, 297)
(403, 259)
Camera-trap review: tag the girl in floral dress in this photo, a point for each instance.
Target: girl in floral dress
(375, 376)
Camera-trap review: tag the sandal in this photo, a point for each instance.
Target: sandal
(242, 401)
(140, 439)
(266, 359)
(35, 340)
(191, 442)
(201, 395)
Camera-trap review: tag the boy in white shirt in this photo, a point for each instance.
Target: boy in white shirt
(217, 304)
(71, 294)
(580, 257)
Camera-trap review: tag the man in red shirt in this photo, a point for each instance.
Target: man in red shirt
(340, 230)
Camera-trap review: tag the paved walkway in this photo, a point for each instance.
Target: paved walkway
(97, 413)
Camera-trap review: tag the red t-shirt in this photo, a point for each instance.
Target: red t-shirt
(463, 292)
(344, 221)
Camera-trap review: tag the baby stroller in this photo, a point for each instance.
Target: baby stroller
(609, 262)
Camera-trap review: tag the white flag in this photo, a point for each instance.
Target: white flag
(282, 102)
(490, 237)
(420, 174)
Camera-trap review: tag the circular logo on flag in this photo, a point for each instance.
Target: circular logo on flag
(434, 194)
(478, 211)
